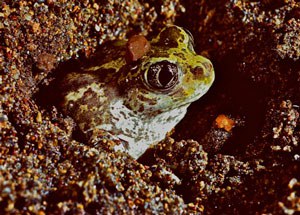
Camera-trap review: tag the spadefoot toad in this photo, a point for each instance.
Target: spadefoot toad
(137, 102)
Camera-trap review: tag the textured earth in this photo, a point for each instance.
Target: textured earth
(236, 151)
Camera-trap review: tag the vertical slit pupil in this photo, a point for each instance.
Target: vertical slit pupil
(165, 75)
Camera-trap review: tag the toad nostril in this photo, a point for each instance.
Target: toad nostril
(198, 72)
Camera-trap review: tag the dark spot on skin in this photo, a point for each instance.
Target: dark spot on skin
(157, 112)
(86, 118)
(89, 92)
(75, 81)
(141, 109)
(82, 117)
(170, 36)
(90, 98)
(86, 126)
(146, 100)
(123, 114)
(89, 118)
(170, 118)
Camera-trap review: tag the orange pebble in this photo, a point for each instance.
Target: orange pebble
(223, 121)
(137, 47)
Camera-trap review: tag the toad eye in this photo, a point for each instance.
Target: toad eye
(162, 75)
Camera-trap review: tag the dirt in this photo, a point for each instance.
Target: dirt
(203, 167)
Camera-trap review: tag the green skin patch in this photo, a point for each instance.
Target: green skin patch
(137, 102)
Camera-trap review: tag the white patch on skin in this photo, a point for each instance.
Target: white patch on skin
(140, 131)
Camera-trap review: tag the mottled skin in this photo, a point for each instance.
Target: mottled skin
(137, 102)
